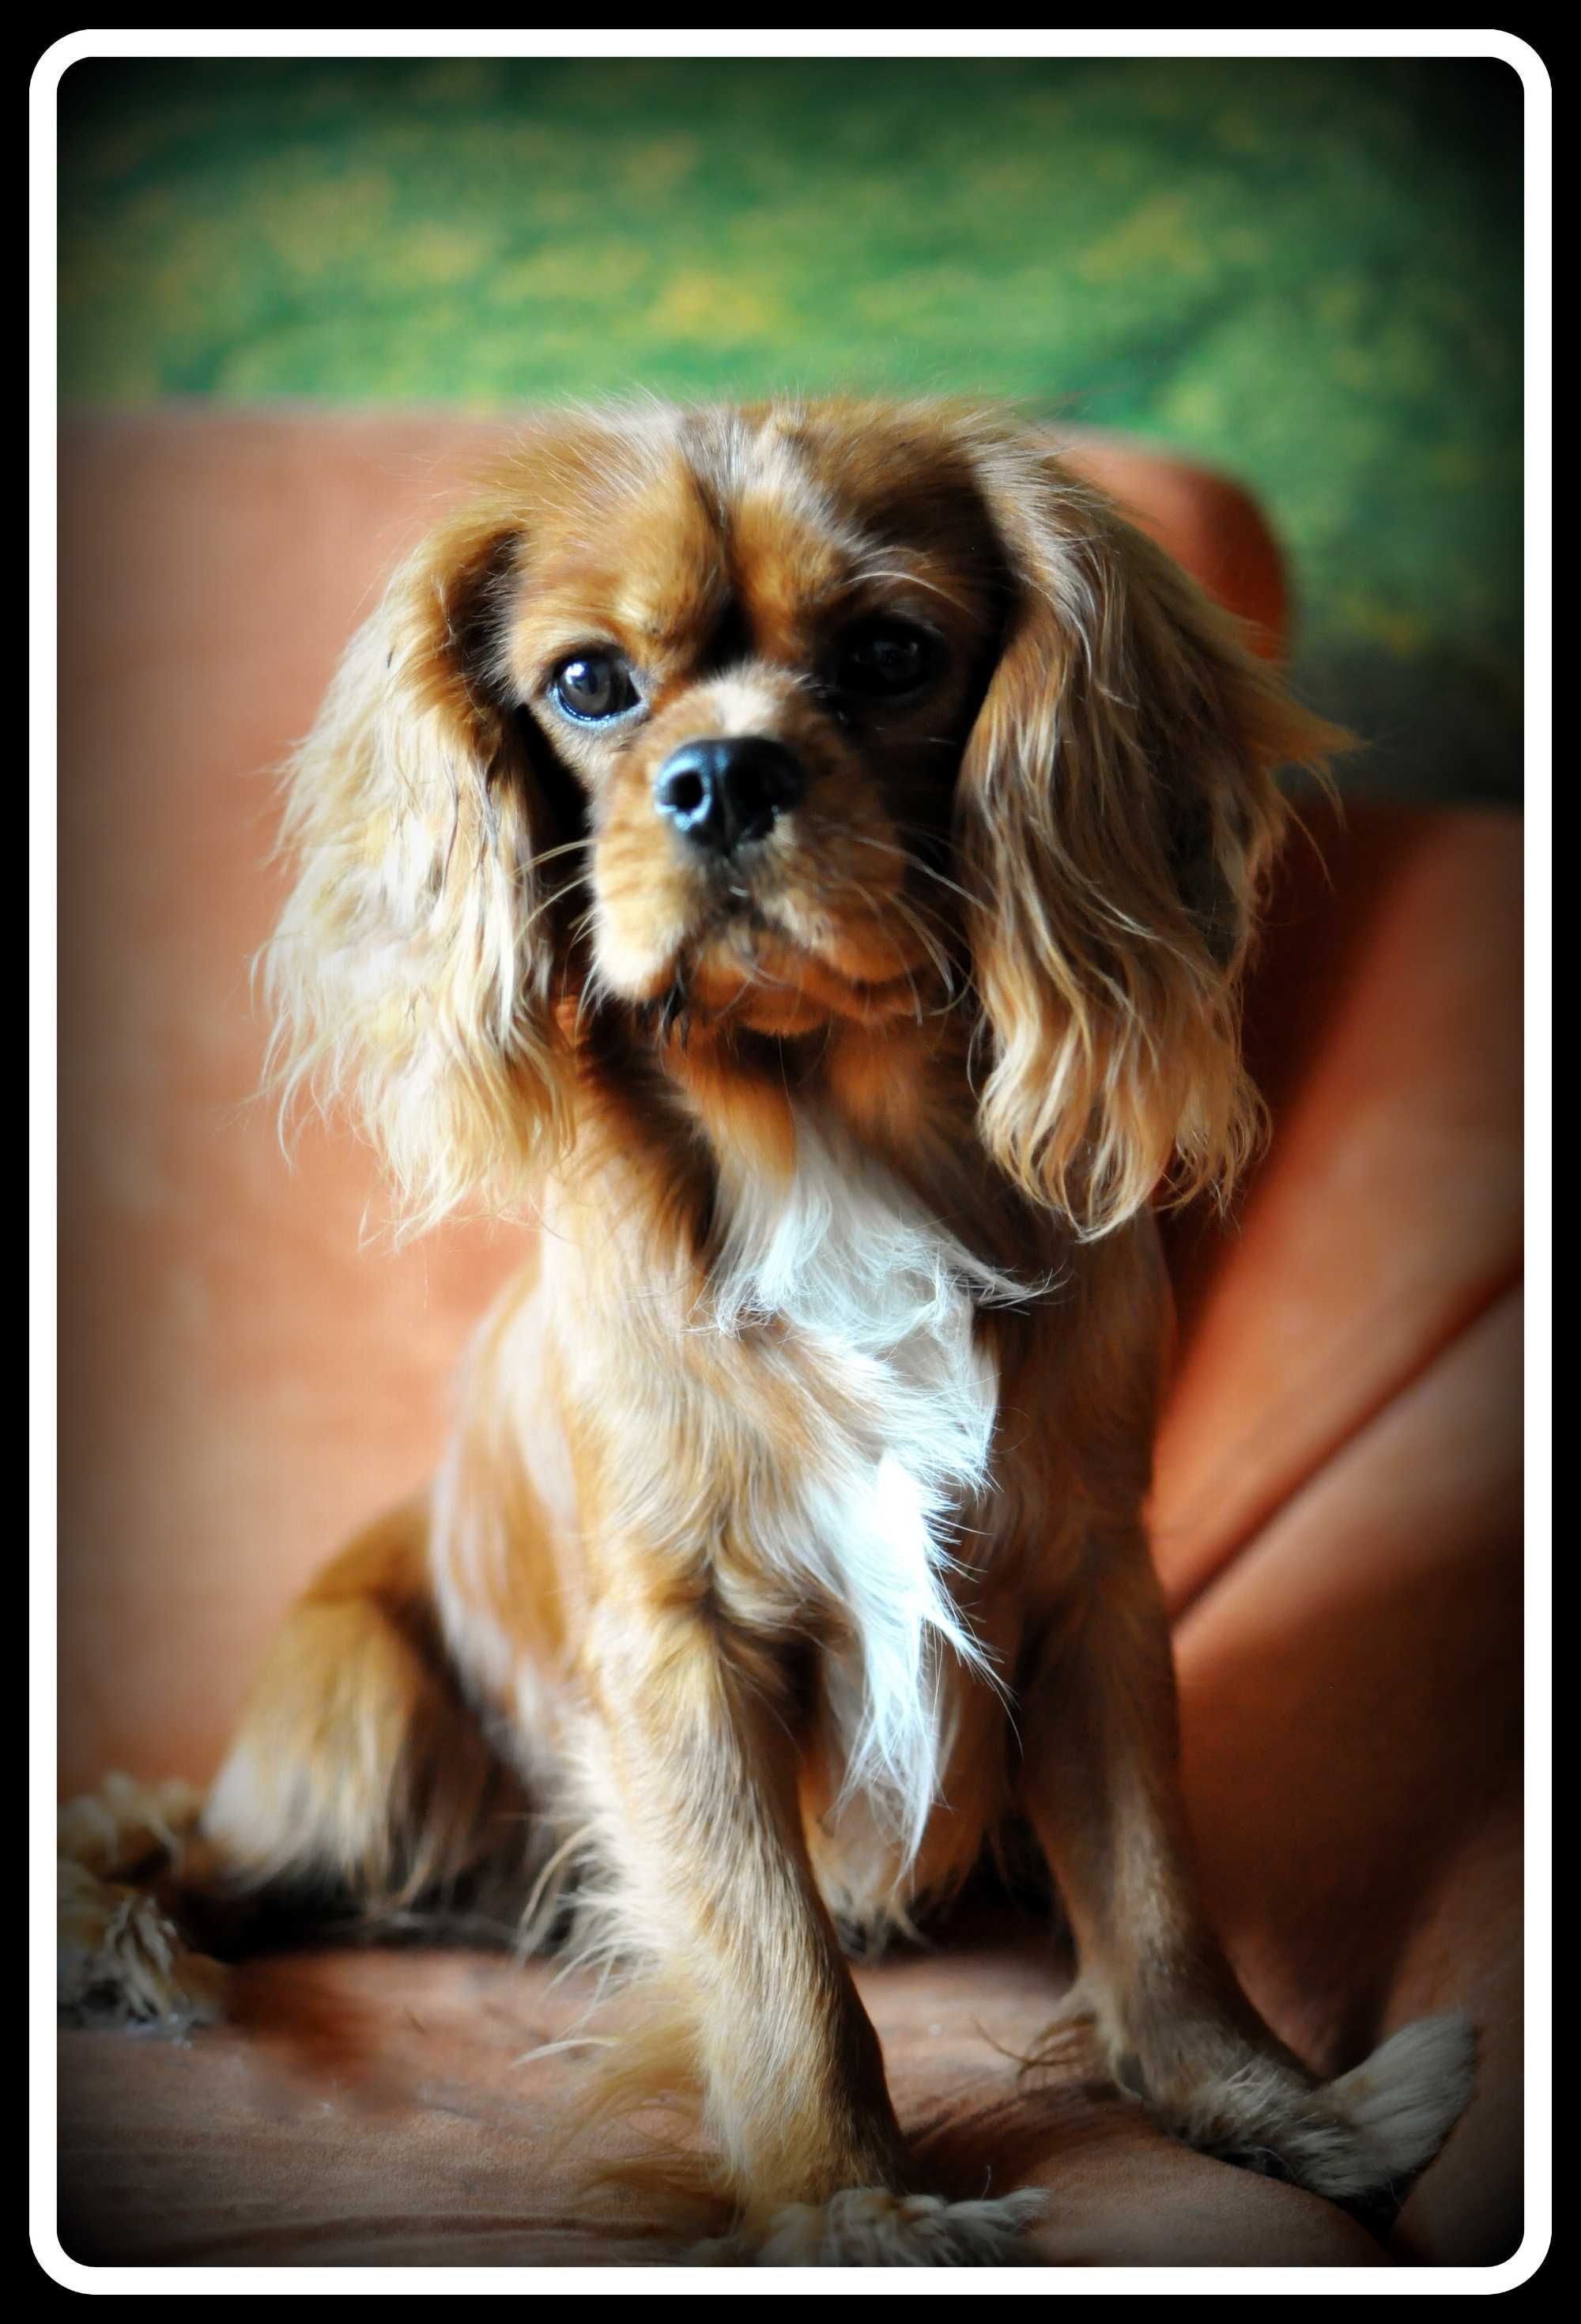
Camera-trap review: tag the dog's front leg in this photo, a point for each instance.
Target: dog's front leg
(702, 1822)
(1102, 1788)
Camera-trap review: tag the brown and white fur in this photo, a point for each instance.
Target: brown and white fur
(789, 1548)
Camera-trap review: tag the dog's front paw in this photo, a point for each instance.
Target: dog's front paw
(867, 2227)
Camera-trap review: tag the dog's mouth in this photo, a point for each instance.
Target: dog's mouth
(746, 968)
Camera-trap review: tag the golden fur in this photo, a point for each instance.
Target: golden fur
(790, 1548)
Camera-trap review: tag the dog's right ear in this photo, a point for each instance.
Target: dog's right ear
(412, 972)
(1117, 810)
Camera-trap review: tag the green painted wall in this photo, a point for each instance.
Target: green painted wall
(1308, 273)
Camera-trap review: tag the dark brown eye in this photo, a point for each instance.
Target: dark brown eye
(593, 686)
(882, 659)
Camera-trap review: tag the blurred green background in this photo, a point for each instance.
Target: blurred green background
(1307, 274)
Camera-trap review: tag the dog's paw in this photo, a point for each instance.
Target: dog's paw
(122, 1961)
(128, 1826)
(1361, 2138)
(867, 2227)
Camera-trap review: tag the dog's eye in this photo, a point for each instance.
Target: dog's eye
(884, 658)
(593, 686)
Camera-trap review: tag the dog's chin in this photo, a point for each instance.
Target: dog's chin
(753, 977)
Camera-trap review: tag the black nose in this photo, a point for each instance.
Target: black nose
(723, 795)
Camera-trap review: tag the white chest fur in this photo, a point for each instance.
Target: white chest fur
(880, 1302)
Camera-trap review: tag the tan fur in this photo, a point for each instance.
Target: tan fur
(362, 1778)
(121, 1959)
(708, 1585)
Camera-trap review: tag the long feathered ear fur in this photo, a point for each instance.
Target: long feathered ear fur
(411, 972)
(1116, 814)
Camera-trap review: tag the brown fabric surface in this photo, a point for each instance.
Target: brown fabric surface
(242, 1381)
(371, 2110)
(1383, 1027)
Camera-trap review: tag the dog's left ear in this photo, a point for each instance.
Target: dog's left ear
(413, 968)
(1116, 814)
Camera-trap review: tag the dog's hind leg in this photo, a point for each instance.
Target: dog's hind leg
(361, 1788)
(120, 1958)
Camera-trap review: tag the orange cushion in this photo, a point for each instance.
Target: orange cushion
(243, 1378)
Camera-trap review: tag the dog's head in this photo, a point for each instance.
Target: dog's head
(789, 718)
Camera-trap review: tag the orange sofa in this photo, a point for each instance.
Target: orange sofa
(246, 1372)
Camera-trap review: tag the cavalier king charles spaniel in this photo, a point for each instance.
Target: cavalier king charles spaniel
(804, 856)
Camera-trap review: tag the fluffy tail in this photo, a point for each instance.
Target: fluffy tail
(1402, 2103)
(1361, 2138)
